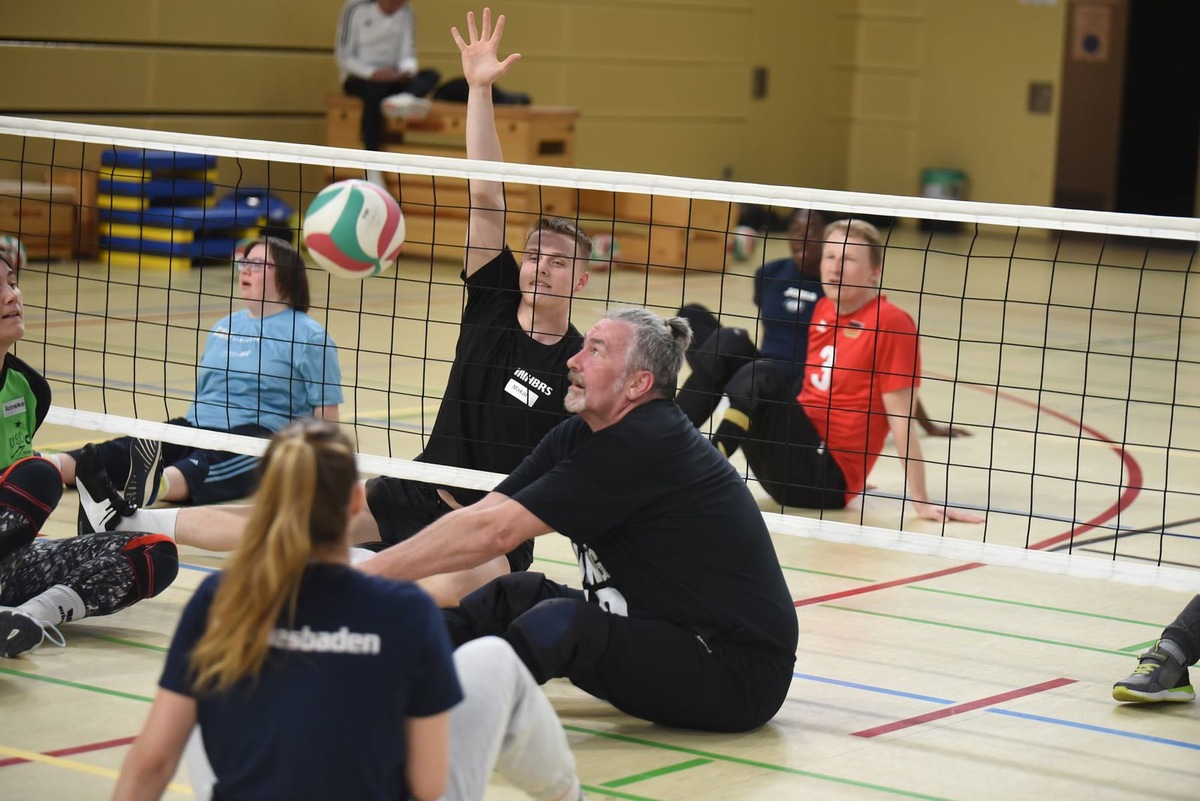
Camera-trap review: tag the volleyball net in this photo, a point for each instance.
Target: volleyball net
(1064, 341)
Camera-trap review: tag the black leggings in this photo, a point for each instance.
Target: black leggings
(373, 93)
(788, 457)
(109, 570)
(651, 669)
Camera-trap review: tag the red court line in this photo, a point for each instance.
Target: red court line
(78, 749)
(958, 709)
(883, 585)
(1132, 488)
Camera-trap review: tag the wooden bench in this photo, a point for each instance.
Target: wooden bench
(528, 135)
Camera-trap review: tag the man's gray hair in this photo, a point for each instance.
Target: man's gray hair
(658, 346)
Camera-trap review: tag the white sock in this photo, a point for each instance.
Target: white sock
(152, 521)
(53, 459)
(360, 555)
(57, 605)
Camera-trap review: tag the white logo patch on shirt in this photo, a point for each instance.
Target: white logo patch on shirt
(520, 392)
(14, 407)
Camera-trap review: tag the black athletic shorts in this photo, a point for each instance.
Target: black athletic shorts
(402, 507)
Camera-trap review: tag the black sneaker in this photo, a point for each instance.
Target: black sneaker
(101, 507)
(1160, 676)
(145, 472)
(20, 633)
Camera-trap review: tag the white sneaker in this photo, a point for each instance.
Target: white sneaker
(406, 106)
(20, 633)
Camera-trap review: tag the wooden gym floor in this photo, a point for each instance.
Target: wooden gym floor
(916, 677)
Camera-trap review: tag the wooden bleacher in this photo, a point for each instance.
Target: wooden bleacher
(528, 134)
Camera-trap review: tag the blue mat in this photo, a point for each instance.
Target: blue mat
(158, 188)
(219, 247)
(157, 160)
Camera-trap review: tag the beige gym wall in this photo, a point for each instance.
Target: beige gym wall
(861, 95)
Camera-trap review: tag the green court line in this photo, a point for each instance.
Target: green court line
(991, 632)
(625, 738)
(1142, 646)
(654, 774)
(75, 685)
(1036, 606)
(119, 640)
(825, 573)
(597, 789)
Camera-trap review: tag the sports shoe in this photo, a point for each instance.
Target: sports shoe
(405, 106)
(101, 507)
(1160, 676)
(145, 472)
(20, 633)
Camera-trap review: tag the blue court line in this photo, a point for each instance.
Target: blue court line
(870, 688)
(1023, 715)
(1101, 729)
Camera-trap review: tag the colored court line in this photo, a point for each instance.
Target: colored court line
(695, 752)
(654, 774)
(958, 709)
(75, 685)
(80, 767)
(871, 688)
(1150, 738)
(1027, 605)
(1010, 713)
(1132, 488)
(78, 749)
(884, 585)
(976, 630)
(599, 789)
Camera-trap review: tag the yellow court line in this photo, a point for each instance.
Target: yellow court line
(81, 767)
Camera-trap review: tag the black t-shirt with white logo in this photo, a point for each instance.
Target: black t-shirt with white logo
(663, 526)
(505, 389)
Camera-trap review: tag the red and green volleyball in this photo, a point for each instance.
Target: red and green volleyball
(354, 229)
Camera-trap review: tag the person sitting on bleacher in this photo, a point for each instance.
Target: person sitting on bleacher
(377, 59)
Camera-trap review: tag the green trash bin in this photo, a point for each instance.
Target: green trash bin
(945, 183)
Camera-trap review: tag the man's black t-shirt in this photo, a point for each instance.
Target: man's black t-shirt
(505, 389)
(663, 526)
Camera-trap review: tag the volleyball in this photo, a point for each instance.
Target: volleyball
(605, 249)
(354, 229)
(742, 242)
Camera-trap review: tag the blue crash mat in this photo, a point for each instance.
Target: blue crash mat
(157, 160)
(158, 188)
(219, 247)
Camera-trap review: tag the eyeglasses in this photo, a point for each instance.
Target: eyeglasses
(243, 266)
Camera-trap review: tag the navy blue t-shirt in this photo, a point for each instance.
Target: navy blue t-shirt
(325, 718)
(785, 300)
(663, 526)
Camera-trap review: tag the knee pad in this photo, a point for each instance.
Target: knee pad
(559, 637)
(33, 487)
(155, 562)
(29, 489)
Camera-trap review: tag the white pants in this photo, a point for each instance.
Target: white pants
(505, 723)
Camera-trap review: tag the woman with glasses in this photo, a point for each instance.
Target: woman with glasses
(263, 366)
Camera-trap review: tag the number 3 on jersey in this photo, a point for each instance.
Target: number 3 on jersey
(821, 378)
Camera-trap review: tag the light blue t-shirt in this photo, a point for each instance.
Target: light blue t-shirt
(265, 371)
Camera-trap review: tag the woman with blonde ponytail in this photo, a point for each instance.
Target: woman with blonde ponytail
(308, 679)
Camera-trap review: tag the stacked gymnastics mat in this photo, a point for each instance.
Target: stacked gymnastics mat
(157, 210)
